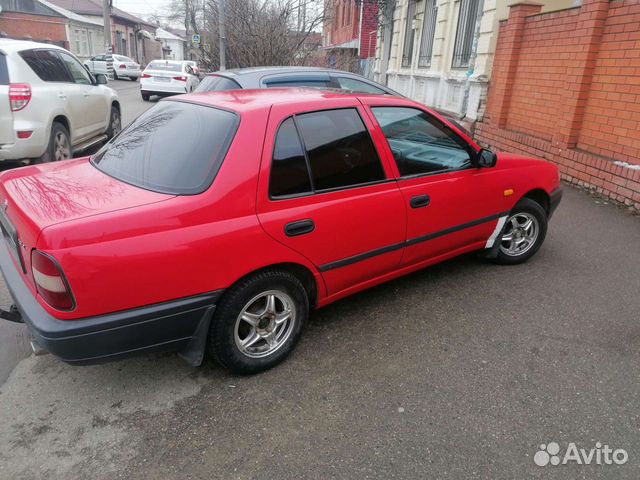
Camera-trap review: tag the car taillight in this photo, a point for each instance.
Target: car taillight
(145, 75)
(51, 282)
(122, 66)
(19, 96)
(182, 79)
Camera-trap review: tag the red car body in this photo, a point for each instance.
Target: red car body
(154, 264)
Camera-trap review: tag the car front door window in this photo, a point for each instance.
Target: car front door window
(78, 73)
(419, 143)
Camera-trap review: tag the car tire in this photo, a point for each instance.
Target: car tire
(145, 97)
(56, 149)
(258, 322)
(115, 122)
(115, 75)
(523, 234)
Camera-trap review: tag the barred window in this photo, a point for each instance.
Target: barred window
(464, 34)
(407, 48)
(428, 33)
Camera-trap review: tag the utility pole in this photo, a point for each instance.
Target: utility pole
(106, 15)
(221, 22)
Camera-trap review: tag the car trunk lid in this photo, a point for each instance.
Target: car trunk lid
(34, 198)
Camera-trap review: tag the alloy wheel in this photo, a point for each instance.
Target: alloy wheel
(61, 147)
(520, 234)
(265, 324)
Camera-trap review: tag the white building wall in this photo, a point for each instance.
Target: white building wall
(441, 86)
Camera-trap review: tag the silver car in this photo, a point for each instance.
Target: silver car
(123, 67)
(50, 106)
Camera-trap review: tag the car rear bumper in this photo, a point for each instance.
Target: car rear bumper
(179, 325)
(554, 200)
(162, 89)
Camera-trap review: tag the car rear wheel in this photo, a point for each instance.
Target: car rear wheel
(59, 147)
(258, 322)
(523, 233)
(145, 97)
(115, 122)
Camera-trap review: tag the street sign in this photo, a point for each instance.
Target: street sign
(195, 38)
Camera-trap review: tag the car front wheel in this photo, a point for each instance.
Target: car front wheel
(258, 322)
(523, 233)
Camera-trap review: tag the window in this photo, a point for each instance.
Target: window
(464, 35)
(420, 144)
(78, 72)
(84, 43)
(300, 82)
(164, 65)
(407, 49)
(358, 85)
(4, 71)
(289, 170)
(174, 147)
(339, 149)
(99, 58)
(428, 33)
(47, 65)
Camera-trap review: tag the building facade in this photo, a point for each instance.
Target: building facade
(440, 52)
(31, 20)
(349, 33)
(173, 47)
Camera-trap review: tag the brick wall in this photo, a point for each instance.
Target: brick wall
(566, 87)
(368, 36)
(39, 27)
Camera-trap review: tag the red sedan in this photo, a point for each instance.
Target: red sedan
(216, 222)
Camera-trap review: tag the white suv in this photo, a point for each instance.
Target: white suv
(50, 106)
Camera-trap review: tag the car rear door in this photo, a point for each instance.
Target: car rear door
(7, 135)
(452, 206)
(325, 192)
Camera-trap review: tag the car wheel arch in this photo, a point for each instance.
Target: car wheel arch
(539, 196)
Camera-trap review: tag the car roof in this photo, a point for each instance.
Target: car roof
(260, 71)
(170, 62)
(258, 99)
(10, 45)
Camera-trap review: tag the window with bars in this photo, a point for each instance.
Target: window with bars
(407, 47)
(464, 34)
(428, 33)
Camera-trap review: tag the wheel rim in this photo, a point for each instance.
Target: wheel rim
(520, 235)
(116, 125)
(61, 147)
(265, 324)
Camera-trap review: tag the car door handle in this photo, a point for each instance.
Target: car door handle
(301, 227)
(85, 94)
(420, 201)
(62, 96)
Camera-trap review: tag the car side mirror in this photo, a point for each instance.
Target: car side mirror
(101, 79)
(486, 159)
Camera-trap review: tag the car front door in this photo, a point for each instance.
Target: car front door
(90, 99)
(452, 206)
(325, 192)
(98, 64)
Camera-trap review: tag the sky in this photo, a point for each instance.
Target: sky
(142, 7)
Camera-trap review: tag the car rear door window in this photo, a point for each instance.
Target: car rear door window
(4, 71)
(289, 170)
(47, 65)
(420, 143)
(359, 86)
(174, 147)
(339, 148)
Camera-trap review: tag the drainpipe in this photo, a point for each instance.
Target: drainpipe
(472, 59)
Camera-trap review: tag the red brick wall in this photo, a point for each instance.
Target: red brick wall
(566, 87)
(369, 29)
(38, 27)
(344, 25)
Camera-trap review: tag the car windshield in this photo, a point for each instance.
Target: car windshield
(174, 147)
(169, 67)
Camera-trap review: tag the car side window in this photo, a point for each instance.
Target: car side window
(77, 71)
(420, 143)
(359, 86)
(99, 58)
(339, 148)
(47, 65)
(289, 171)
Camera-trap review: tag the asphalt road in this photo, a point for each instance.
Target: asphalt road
(457, 372)
(14, 340)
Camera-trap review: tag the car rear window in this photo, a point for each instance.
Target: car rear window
(4, 72)
(169, 67)
(216, 83)
(174, 147)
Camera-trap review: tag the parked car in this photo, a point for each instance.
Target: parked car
(123, 67)
(167, 77)
(50, 106)
(210, 223)
(279, 77)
